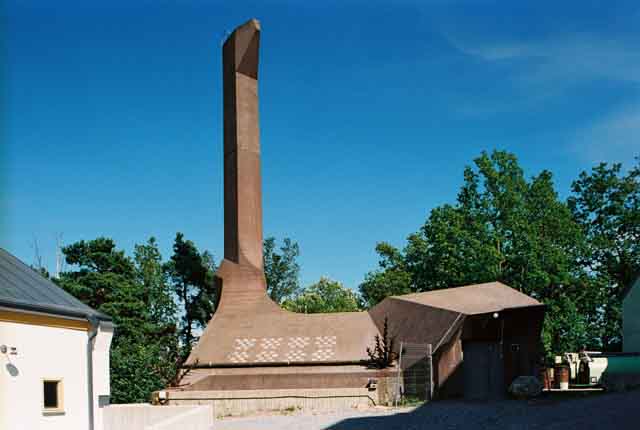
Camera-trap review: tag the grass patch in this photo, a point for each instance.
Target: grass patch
(411, 401)
(290, 409)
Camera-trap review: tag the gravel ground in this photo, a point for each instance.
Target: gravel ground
(597, 411)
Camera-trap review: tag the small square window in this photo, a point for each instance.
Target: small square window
(52, 396)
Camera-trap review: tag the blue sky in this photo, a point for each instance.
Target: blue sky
(112, 121)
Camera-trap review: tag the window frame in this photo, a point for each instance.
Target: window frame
(59, 409)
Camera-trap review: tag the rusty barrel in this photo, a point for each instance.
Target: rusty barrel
(545, 378)
(561, 373)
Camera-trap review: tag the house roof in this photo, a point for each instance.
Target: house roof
(23, 288)
(474, 299)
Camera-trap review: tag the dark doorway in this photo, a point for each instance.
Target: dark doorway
(483, 370)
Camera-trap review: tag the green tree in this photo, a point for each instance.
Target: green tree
(391, 278)
(161, 307)
(281, 269)
(502, 227)
(191, 273)
(606, 203)
(151, 276)
(567, 329)
(324, 296)
(142, 356)
(105, 280)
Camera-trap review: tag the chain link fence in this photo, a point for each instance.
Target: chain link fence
(415, 373)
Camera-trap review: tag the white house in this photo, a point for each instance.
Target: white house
(54, 354)
(631, 316)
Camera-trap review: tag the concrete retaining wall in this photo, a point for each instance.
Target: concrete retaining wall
(148, 417)
(240, 402)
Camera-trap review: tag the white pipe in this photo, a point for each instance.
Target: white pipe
(93, 332)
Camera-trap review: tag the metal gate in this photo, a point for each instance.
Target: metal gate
(415, 372)
(483, 371)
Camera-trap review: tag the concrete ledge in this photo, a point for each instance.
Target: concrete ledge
(148, 417)
(241, 402)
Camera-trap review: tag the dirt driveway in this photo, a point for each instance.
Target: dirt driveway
(597, 412)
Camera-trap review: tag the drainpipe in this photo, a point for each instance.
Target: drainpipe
(93, 332)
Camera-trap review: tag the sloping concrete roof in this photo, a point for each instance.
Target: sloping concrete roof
(248, 328)
(474, 299)
(23, 288)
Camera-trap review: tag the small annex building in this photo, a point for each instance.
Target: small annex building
(54, 354)
(483, 336)
(631, 316)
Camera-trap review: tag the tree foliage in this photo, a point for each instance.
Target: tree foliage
(502, 227)
(391, 279)
(606, 203)
(151, 276)
(158, 308)
(325, 295)
(144, 347)
(191, 274)
(281, 269)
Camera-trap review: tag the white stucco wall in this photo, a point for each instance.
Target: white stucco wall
(49, 352)
(101, 374)
(631, 320)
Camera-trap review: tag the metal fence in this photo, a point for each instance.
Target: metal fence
(415, 372)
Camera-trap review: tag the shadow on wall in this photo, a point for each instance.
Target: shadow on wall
(13, 370)
(451, 385)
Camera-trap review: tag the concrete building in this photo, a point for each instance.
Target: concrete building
(54, 354)
(483, 336)
(253, 354)
(631, 317)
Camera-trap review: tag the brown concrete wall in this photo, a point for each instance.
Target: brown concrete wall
(448, 362)
(285, 381)
(242, 185)
(522, 346)
(519, 332)
(413, 322)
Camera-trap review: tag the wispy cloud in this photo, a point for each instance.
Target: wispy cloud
(541, 70)
(614, 137)
(567, 58)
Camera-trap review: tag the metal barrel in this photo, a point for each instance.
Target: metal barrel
(562, 376)
(544, 378)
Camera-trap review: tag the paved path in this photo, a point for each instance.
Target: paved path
(595, 412)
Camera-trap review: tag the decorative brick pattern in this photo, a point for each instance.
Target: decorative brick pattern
(296, 355)
(271, 348)
(238, 357)
(240, 353)
(270, 342)
(322, 354)
(298, 342)
(325, 341)
(325, 348)
(244, 344)
(266, 356)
